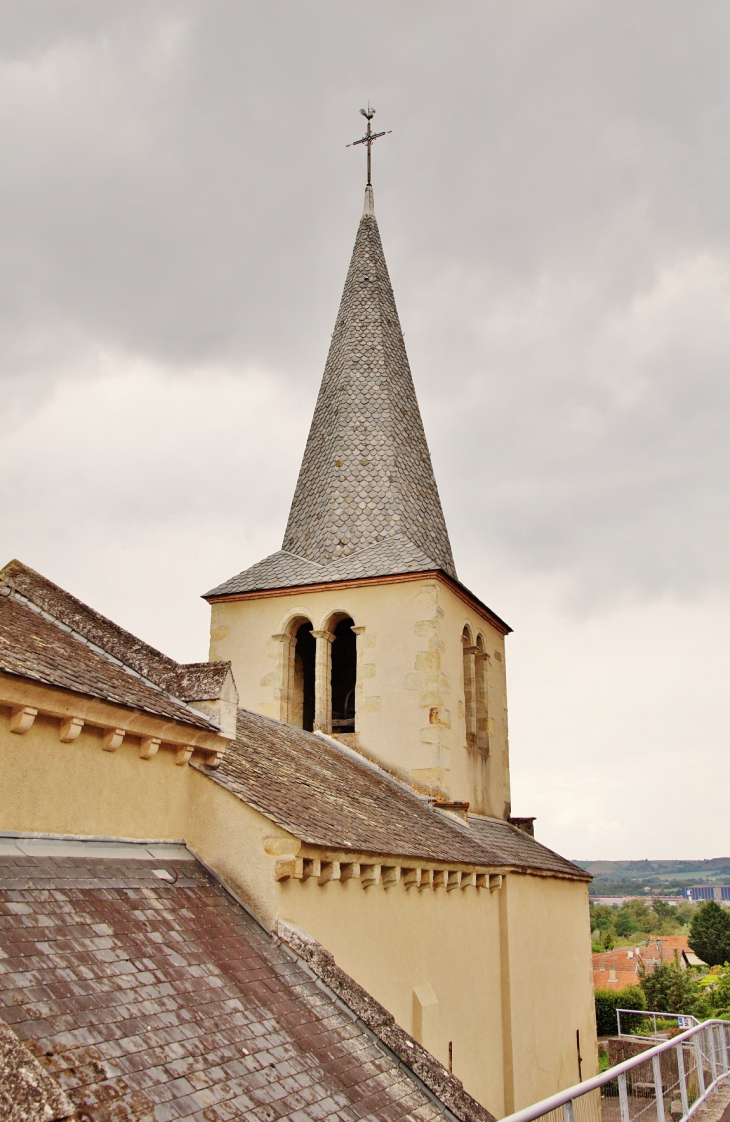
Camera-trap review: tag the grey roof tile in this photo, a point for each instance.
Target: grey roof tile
(325, 796)
(190, 1009)
(389, 557)
(366, 475)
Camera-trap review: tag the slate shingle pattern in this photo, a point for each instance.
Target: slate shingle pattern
(325, 796)
(151, 1002)
(194, 681)
(285, 570)
(366, 473)
(34, 647)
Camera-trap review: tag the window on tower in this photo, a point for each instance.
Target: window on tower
(302, 693)
(344, 676)
(470, 715)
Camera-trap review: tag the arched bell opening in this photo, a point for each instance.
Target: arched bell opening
(344, 676)
(470, 717)
(302, 704)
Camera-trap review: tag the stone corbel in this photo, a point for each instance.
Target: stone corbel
(111, 739)
(425, 879)
(369, 874)
(183, 754)
(148, 747)
(330, 870)
(70, 729)
(289, 867)
(453, 880)
(495, 882)
(22, 718)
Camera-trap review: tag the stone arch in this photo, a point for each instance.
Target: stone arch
(469, 662)
(298, 672)
(481, 693)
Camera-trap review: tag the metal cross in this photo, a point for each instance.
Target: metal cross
(369, 136)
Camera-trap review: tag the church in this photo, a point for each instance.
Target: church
(338, 772)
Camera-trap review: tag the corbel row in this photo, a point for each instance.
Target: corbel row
(387, 876)
(22, 718)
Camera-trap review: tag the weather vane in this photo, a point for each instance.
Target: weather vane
(369, 137)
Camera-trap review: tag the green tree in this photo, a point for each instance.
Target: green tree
(709, 934)
(662, 910)
(608, 942)
(670, 989)
(625, 925)
(601, 916)
(608, 1001)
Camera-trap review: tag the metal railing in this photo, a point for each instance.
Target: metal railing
(666, 1083)
(670, 1022)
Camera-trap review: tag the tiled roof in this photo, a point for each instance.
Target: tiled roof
(614, 980)
(325, 796)
(195, 681)
(161, 999)
(366, 472)
(36, 647)
(285, 570)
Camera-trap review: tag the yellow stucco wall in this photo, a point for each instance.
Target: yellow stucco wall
(548, 975)
(509, 968)
(50, 787)
(397, 943)
(410, 695)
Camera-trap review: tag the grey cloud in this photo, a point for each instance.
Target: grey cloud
(174, 185)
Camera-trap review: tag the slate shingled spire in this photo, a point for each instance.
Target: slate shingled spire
(366, 476)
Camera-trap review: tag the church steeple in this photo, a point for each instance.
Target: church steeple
(366, 477)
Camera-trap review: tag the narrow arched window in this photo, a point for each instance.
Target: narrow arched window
(344, 677)
(302, 695)
(469, 688)
(481, 663)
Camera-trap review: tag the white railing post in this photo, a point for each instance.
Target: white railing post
(713, 1057)
(699, 1063)
(623, 1098)
(568, 1111)
(656, 1066)
(682, 1079)
(723, 1047)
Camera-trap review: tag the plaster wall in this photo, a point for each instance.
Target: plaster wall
(546, 945)
(50, 787)
(410, 688)
(407, 947)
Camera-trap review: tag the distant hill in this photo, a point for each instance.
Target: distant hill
(624, 877)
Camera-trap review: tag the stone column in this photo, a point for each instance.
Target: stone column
(284, 692)
(359, 632)
(323, 682)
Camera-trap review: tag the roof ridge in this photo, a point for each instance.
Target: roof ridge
(80, 638)
(32, 582)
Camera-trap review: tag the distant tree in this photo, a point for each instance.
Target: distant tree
(602, 916)
(709, 934)
(625, 925)
(608, 942)
(662, 910)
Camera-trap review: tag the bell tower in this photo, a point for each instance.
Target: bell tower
(359, 627)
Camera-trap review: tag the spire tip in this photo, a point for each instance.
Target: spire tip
(369, 207)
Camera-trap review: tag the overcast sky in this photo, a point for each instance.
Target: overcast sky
(177, 212)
